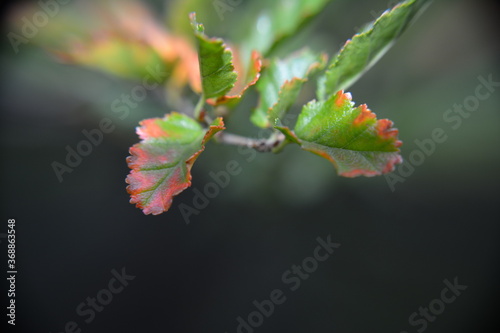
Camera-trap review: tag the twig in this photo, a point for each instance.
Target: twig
(261, 145)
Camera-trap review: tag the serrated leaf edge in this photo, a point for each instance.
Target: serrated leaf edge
(216, 126)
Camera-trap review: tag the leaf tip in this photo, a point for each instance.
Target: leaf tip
(197, 27)
(342, 98)
(387, 132)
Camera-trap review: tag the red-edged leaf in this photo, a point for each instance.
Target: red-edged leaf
(350, 137)
(243, 83)
(161, 163)
(114, 43)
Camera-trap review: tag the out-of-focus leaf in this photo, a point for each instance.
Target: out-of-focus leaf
(366, 48)
(281, 83)
(178, 11)
(278, 20)
(161, 163)
(216, 63)
(118, 37)
(125, 58)
(350, 137)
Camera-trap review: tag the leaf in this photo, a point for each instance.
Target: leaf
(366, 48)
(118, 56)
(161, 163)
(108, 42)
(112, 42)
(243, 82)
(216, 67)
(279, 20)
(281, 83)
(350, 137)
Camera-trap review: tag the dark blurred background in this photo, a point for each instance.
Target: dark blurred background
(396, 249)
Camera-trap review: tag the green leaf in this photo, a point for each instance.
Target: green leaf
(279, 20)
(244, 81)
(161, 163)
(350, 137)
(366, 48)
(121, 57)
(107, 42)
(216, 66)
(281, 83)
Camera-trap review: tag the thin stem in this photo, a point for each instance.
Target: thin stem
(199, 107)
(261, 145)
